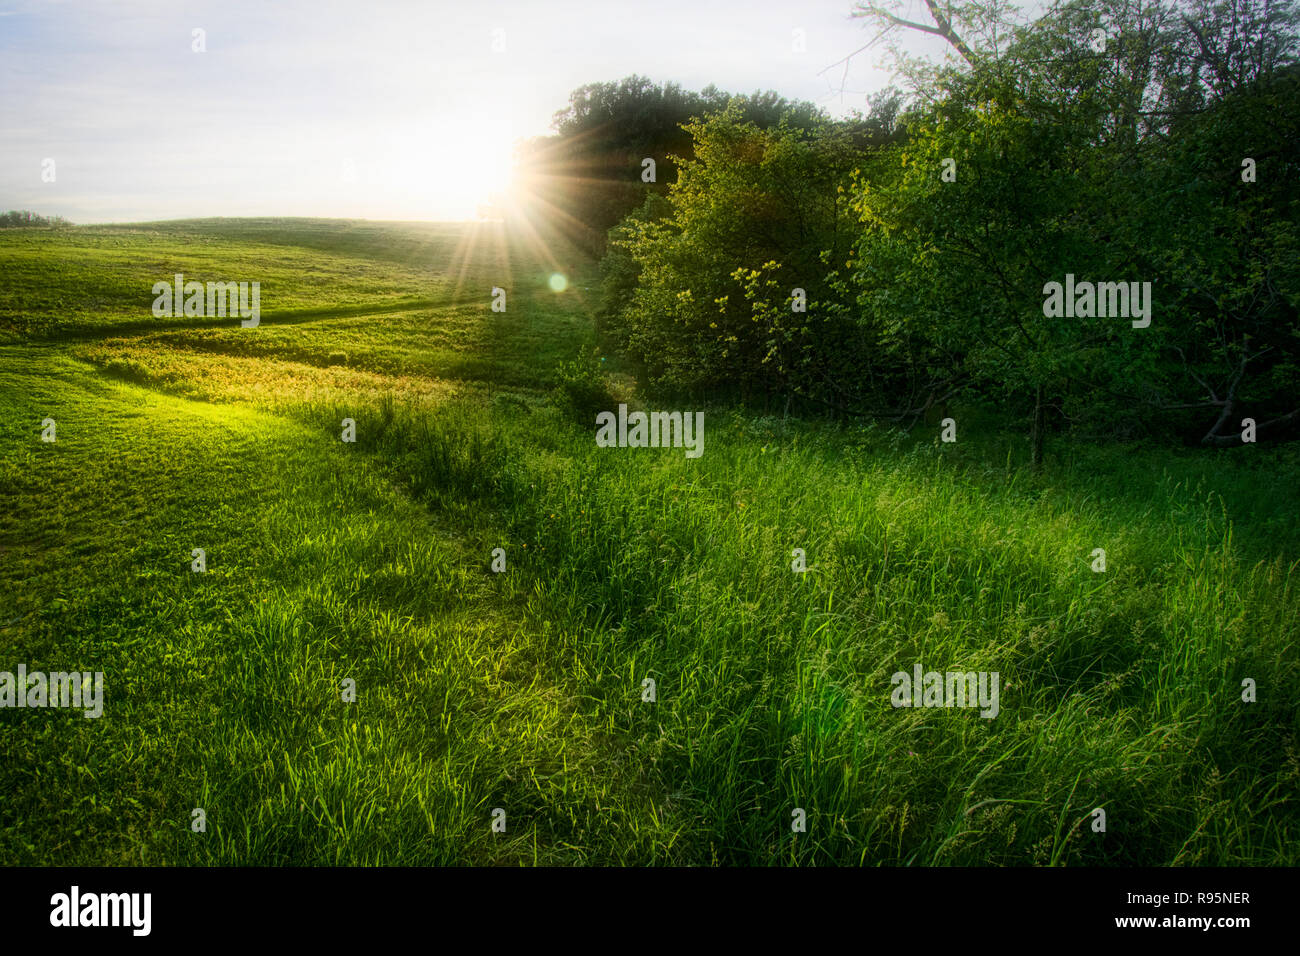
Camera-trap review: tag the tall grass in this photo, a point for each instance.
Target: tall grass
(1122, 690)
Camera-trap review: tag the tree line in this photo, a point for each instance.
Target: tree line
(920, 252)
(20, 218)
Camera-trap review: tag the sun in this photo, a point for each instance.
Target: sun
(460, 174)
(482, 177)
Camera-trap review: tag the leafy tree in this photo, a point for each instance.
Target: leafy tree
(724, 283)
(1102, 164)
(926, 235)
(589, 175)
(1229, 251)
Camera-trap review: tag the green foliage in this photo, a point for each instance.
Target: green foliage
(926, 257)
(951, 270)
(582, 388)
(1228, 253)
(588, 175)
(25, 219)
(708, 311)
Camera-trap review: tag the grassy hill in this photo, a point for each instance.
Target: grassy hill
(371, 562)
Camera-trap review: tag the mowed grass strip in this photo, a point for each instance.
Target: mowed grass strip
(223, 689)
(90, 281)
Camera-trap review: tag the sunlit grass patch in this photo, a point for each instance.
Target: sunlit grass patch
(215, 377)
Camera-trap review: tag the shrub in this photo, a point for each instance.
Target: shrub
(582, 388)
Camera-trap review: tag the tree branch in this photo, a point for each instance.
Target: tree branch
(942, 28)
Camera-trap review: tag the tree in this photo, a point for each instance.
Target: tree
(592, 171)
(700, 284)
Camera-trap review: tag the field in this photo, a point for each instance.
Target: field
(524, 690)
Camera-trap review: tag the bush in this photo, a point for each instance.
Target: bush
(699, 286)
(582, 388)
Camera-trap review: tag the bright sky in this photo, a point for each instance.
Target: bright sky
(367, 108)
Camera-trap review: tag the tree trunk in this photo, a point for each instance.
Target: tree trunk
(1036, 433)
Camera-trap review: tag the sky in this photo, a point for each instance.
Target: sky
(373, 109)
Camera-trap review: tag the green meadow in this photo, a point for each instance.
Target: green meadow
(525, 690)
